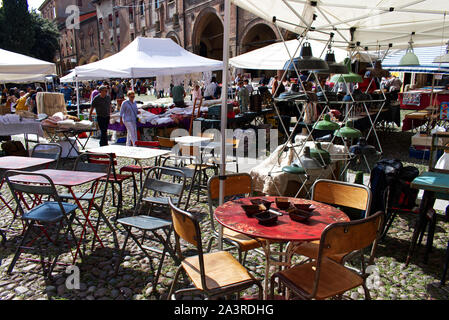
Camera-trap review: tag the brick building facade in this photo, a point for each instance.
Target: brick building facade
(107, 26)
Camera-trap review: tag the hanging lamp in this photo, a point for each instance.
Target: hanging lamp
(307, 62)
(348, 131)
(349, 76)
(378, 71)
(410, 58)
(443, 58)
(326, 124)
(334, 67)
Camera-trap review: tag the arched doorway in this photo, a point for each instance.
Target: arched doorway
(257, 35)
(172, 35)
(208, 35)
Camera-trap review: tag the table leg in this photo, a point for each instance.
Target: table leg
(427, 202)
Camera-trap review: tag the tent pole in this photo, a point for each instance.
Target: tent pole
(224, 106)
(77, 97)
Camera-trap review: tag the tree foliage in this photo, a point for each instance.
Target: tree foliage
(27, 32)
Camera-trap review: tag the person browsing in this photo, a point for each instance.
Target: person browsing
(102, 105)
(128, 117)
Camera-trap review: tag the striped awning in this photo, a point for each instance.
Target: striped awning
(426, 56)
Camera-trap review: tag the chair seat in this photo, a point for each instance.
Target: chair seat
(221, 269)
(199, 167)
(144, 222)
(49, 211)
(157, 200)
(117, 178)
(310, 250)
(334, 278)
(134, 168)
(80, 196)
(246, 243)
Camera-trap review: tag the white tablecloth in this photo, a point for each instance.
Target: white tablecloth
(25, 126)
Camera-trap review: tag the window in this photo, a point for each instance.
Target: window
(132, 36)
(83, 44)
(156, 4)
(142, 8)
(117, 20)
(91, 39)
(79, 3)
(110, 21)
(131, 15)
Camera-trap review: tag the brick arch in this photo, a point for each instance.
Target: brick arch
(253, 26)
(174, 36)
(202, 21)
(93, 58)
(82, 61)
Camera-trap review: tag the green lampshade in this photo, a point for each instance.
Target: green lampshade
(349, 77)
(410, 59)
(348, 131)
(326, 124)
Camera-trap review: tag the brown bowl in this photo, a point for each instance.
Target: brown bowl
(299, 215)
(261, 202)
(304, 206)
(251, 209)
(282, 203)
(266, 218)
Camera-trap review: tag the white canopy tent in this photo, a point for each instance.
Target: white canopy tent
(371, 23)
(147, 57)
(15, 67)
(274, 56)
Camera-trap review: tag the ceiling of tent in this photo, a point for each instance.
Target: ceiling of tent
(373, 23)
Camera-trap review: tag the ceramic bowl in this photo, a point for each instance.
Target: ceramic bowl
(282, 203)
(266, 218)
(258, 202)
(251, 209)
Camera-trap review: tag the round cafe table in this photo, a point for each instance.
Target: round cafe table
(232, 216)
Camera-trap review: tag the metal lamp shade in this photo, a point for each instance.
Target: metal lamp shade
(334, 67)
(362, 148)
(410, 59)
(378, 71)
(326, 124)
(348, 76)
(442, 59)
(308, 61)
(348, 131)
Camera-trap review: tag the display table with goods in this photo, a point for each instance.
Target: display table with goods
(66, 131)
(422, 98)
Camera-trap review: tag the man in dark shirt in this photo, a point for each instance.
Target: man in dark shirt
(102, 105)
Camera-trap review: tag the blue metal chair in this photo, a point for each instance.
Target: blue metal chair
(162, 182)
(47, 213)
(48, 151)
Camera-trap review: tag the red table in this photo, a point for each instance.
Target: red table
(232, 216)
(71, 179)
(18, 163)
(425, 98)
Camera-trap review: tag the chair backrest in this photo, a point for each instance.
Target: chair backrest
(47, 151)
(45, 188)
(89, 162)
(234, 185)
(344, 237)
(187, 227)
(166, 142)
(157, 181)
(344, 194)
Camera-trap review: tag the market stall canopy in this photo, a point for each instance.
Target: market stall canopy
(15, 67)
(274, 56)
(371, 23)
(426, 56)
(147, 57)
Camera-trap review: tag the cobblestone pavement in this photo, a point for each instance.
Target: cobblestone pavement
(391, 280)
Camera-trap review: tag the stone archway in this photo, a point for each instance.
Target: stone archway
(107, 54)
(207, 36)
(172, 35)
(257, 35)
(82, 61)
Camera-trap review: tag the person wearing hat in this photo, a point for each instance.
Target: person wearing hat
(102, 105)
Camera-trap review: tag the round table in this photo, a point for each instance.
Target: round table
(232, 216)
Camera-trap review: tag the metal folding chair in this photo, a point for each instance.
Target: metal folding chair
(83, 163)
(161, 183)
(214, 274)
(48, 151)
(47, 213)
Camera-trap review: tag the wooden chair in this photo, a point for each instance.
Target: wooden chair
(214, 274)
(338, 194)
(235, 185)
(163, 192)
(47, 151)
(325, 278)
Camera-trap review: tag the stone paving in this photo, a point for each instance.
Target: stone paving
(391, 280)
